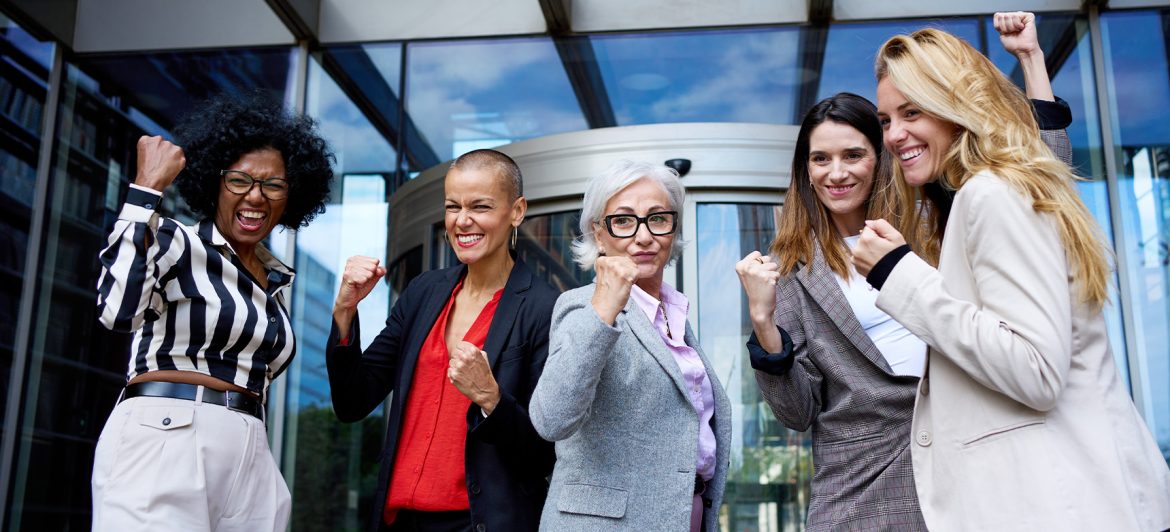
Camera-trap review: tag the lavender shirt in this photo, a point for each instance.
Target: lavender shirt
(694, 373)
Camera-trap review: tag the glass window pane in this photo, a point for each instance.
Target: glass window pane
(465, 95)
(714, 76)
(851, 49)
(1065, 40)
(24, 76)
(77, 367)
(336, 492)
(771, 466)
(1136, 45)
(354, 91)
(545, 244)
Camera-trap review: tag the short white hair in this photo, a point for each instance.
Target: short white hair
(614, 179)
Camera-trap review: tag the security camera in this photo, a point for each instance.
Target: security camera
(682, 166)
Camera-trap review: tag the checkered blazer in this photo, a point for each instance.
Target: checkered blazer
(1057, 140)
(841, 386)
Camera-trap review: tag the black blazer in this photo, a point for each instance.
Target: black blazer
(506, 461)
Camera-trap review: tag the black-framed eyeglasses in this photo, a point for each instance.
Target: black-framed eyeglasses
(659, 223)
(237, 182)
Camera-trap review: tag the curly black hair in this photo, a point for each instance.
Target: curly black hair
(218, 133)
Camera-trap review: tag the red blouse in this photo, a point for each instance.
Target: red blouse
(428, 467)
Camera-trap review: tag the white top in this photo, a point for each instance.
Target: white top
(903, 351)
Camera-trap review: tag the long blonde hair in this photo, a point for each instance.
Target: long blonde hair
(947, 78)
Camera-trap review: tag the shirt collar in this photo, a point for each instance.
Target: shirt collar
(279, 273)
(649, 305)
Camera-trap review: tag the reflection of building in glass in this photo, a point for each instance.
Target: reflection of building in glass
(400, 87)
(312, 324)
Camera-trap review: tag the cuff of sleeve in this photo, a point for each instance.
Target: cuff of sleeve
(877, 276)
(140, 205)
(1052, 115)
(771, 363)
(353, 338)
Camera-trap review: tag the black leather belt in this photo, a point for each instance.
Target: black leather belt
(700, 485)
(175, 390)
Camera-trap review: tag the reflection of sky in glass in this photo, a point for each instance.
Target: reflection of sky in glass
(387, 59)
(471, 94)
(851, 49)
(720, 319)
(1136, 65)
(355, 227)
(358, 146)
(1073, 83)
(722, 76)
(725, 233)
(1137, 70)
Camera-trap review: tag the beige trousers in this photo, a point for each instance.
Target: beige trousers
(173, 464)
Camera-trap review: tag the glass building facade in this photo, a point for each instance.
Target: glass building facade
(396, 104)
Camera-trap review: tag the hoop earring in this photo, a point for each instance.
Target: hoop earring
(514, 231)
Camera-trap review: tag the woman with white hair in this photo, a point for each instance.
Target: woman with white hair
(641, 424)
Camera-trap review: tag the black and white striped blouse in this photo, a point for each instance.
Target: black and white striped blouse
(190, 302)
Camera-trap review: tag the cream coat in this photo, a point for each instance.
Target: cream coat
(1022, 421)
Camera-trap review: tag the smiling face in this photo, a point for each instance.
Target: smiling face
(480, 215)
(649, 252)
(840, 166)
(246, 219)
(918, 141)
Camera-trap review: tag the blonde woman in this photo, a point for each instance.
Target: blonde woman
(1022, 421)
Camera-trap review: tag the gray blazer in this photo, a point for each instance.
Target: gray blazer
(841, 386)
(614, 401)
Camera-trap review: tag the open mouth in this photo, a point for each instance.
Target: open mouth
(466, 241)
(911, 155)
(839, 190)
(251, 220)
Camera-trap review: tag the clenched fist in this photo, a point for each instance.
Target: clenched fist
(360, 276)
(615, 278)
(1017, 32)
(159, 163)
(758, 274)
(878, 237)
(468, 370)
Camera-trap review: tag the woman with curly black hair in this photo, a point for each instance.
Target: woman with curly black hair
(186, 448)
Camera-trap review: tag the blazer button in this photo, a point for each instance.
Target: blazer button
(924, 438)
(474, 488)
(166, 421)
(480, 527)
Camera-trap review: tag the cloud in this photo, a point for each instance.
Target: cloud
(751, 82)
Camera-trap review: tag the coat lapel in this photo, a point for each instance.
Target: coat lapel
(428, 313)
(508, 309)
(821, 283)
(645, 332)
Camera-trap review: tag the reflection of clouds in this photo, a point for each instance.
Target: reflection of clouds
(851, 49)
(387, 59)
(508, 89)
(357, 145)
(752, 81)
(720, 320)
(341, 232)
